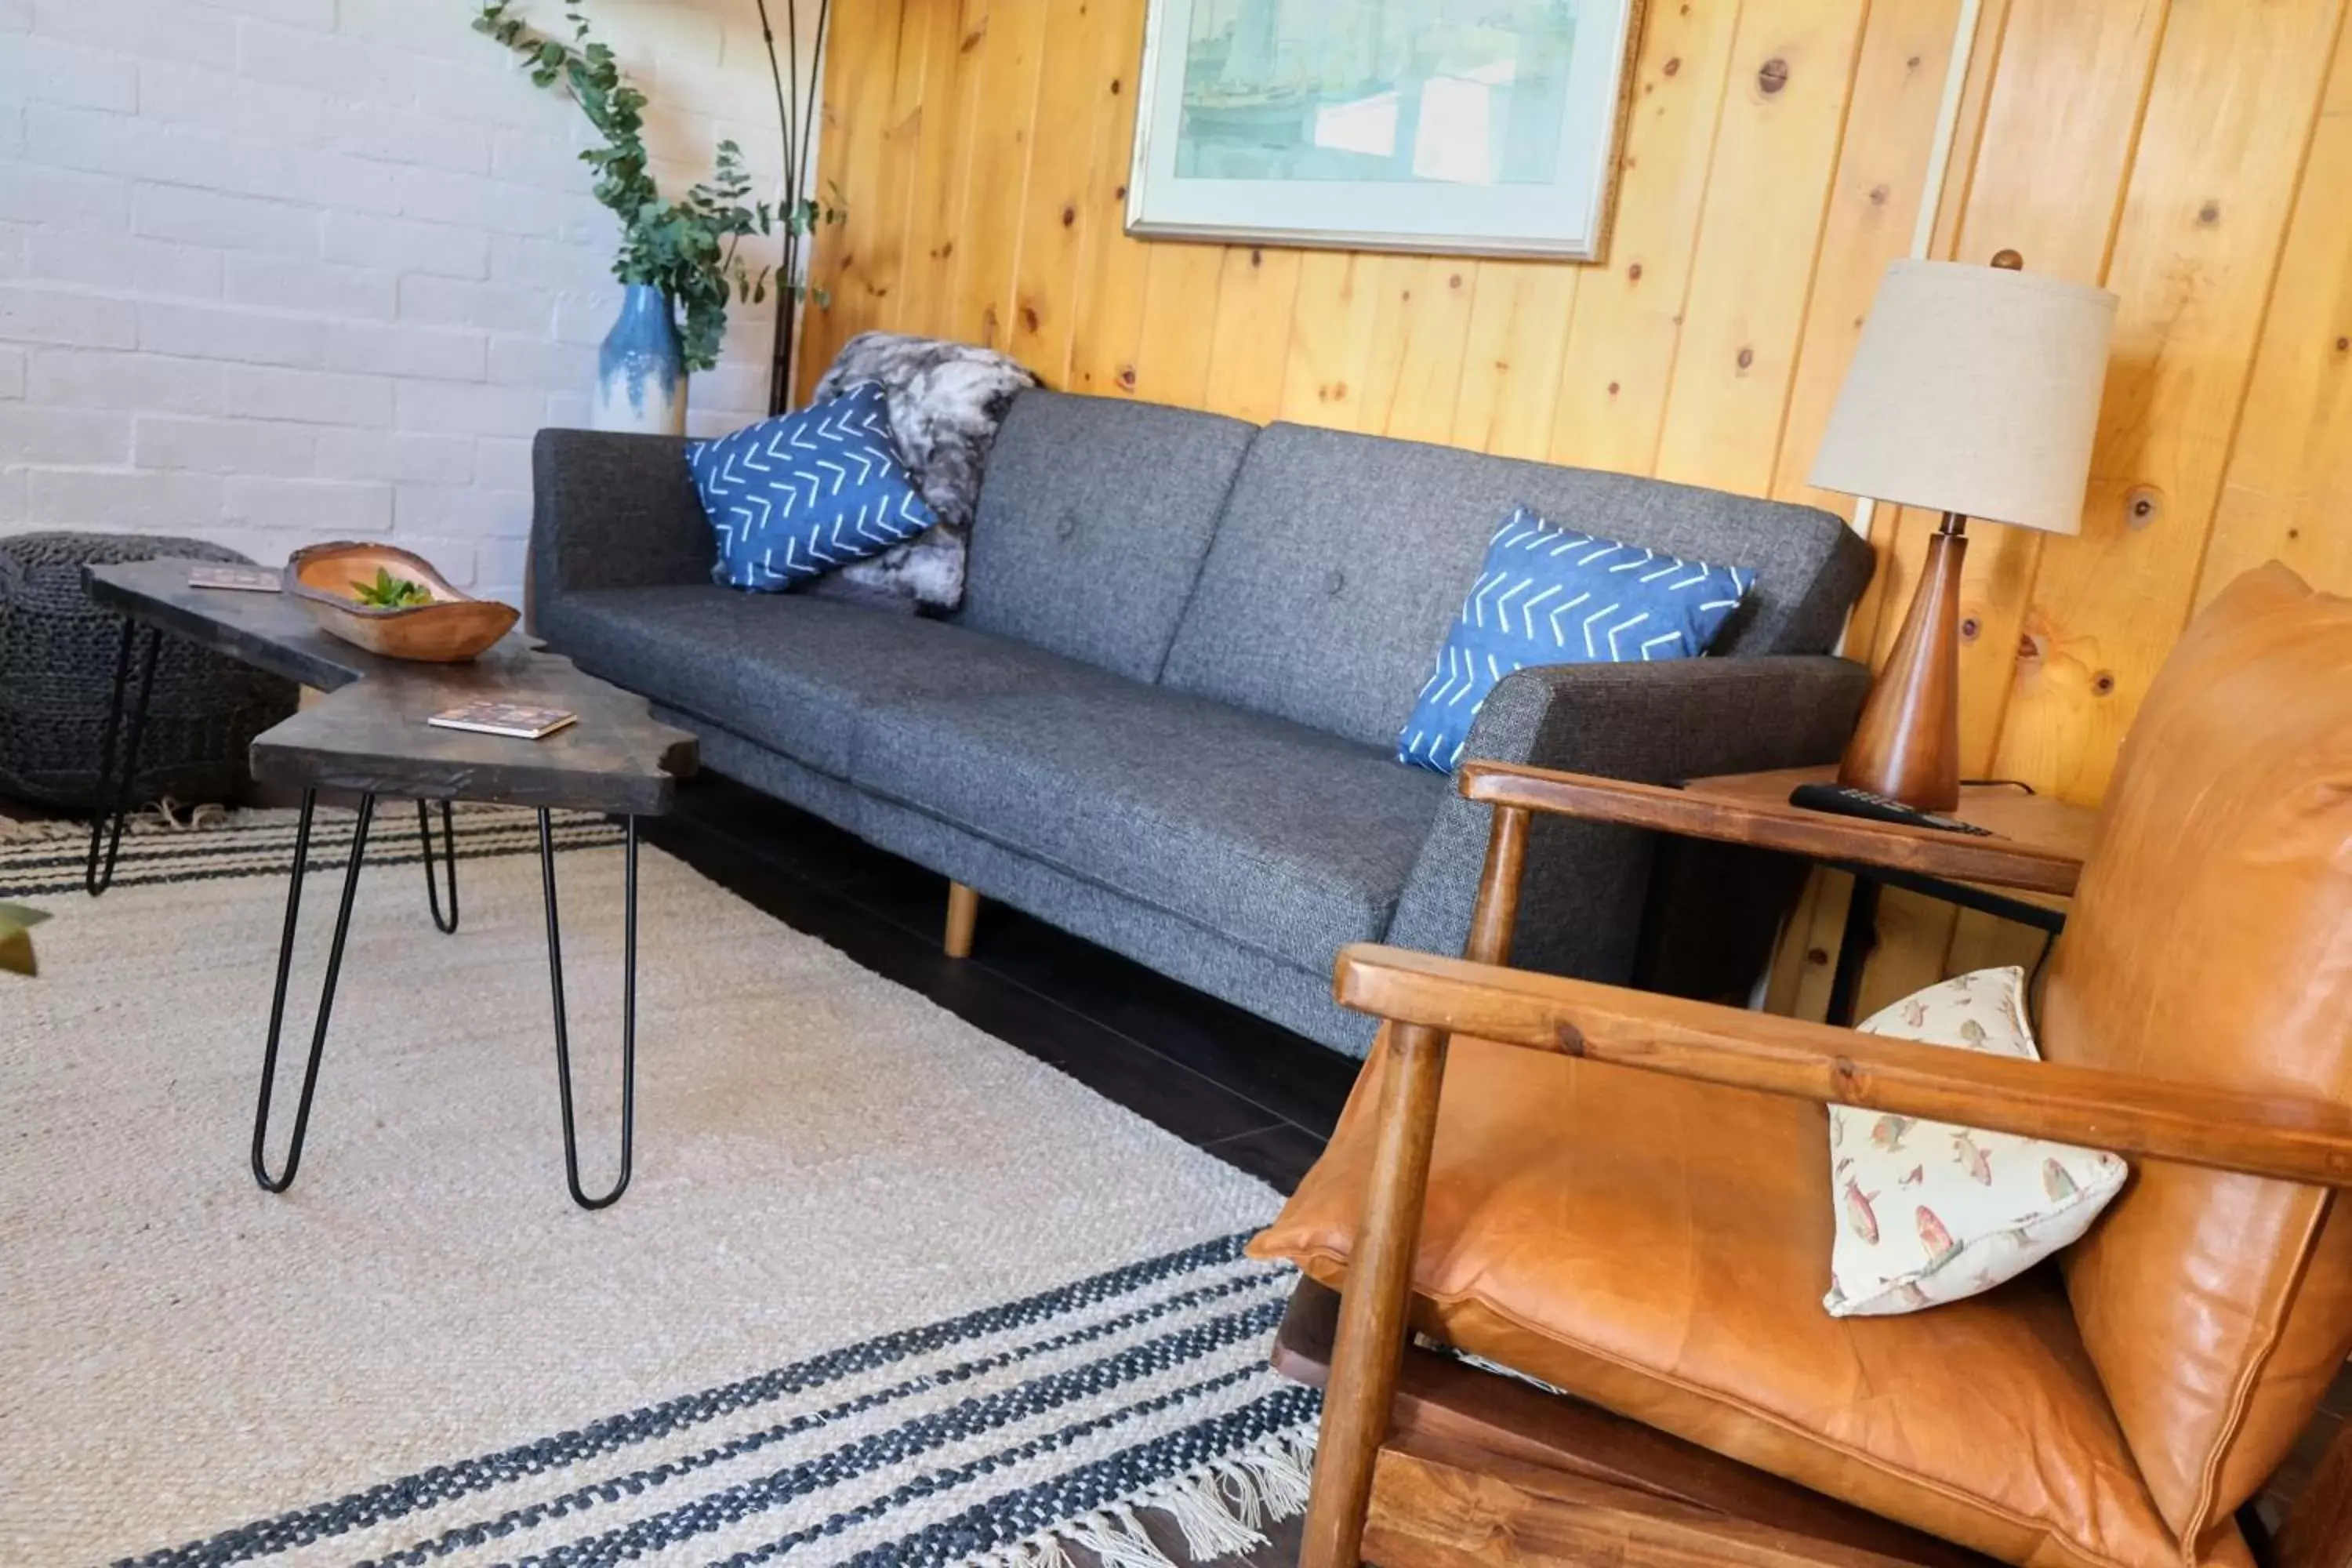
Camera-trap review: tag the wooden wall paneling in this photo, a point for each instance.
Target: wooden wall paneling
(1179, 322)
(856, 276)
(2230, 118)
(1109, 316)
(1873, 207)
(1330, 355)
(1420, 336)
(1073, 118)
(1987, 941)
(943, 174)
(1882, 170)
(1249, 352)
(1760, 234)
(1807, 959)
(1886, 584)
(1004, 126)
(1519, 315)
(2073, 80)
(2289, 488)
(926, 32)
(2048, 181)
(1745, 220)
(1612, 401)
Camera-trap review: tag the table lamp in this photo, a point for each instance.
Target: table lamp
(1974, 392)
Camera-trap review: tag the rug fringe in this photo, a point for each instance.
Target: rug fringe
(1219, 1507)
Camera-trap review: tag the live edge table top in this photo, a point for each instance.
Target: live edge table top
(370, 734)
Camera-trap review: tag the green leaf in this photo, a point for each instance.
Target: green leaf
(16, 924)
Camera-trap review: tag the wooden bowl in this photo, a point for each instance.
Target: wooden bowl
(455, 626)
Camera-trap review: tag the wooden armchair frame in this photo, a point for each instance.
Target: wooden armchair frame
(1467, 1480)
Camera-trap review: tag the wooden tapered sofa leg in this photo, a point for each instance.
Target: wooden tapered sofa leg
(963, 909)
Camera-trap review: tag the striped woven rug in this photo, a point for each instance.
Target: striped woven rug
(884, 1291)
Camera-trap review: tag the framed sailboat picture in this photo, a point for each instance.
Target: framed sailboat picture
(1474, 127)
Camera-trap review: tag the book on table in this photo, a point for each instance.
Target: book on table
(520, 721)
(248, 579)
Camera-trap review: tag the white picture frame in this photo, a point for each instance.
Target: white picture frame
(1384, 125)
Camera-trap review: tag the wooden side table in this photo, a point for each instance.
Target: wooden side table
(2032, 821)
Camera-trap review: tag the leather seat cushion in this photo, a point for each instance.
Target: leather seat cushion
(2211, 943)
(1660, 1247)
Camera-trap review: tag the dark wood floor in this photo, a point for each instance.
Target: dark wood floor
(1245, 1089)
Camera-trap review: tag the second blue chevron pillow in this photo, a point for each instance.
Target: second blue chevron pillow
(1547, 595)
(793, 497)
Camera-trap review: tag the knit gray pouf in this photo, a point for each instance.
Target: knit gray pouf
(57, 682)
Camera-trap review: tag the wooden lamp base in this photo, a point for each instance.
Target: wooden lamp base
(1907, 743)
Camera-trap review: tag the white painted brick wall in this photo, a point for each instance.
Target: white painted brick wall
(273, 271)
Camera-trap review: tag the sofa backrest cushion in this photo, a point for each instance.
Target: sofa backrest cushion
(1094, 519)
(1341, 558)
(2210, 944)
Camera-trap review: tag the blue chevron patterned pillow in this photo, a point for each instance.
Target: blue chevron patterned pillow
(1547, 595)
(793, 497)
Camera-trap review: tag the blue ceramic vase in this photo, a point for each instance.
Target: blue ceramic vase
(640, 375)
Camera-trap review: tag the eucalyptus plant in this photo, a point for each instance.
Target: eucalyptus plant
(689, 247)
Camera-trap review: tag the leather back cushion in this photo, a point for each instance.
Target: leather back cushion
(1093, 522)
(1341, 561)
(2211, 942)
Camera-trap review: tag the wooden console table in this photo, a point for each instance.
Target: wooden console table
(2033, 822)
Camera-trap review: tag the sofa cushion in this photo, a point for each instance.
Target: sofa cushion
(1341, 560)
(2211, 942)
(1548, 596)
(1659, 1247)
(789, 672)
(1093, 522)
(793, 498)
(1275, 836)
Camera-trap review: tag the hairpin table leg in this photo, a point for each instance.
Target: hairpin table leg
(107, 824)
(449, 852)
(628, 1013)
(326, 993)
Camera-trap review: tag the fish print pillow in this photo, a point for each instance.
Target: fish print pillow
(1929, 1213)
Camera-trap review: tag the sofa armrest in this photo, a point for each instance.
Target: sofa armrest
(1672, 719)
(613, 510)
(1587, 884)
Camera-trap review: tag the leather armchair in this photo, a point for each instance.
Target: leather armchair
(1626, 1197)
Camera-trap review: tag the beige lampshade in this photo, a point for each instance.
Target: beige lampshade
(1974, 390)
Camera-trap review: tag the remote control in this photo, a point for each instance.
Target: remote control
(1847, 801)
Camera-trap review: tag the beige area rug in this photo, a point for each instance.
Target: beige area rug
(885, 1290)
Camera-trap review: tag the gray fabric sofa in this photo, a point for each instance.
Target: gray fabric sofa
(1165, 718)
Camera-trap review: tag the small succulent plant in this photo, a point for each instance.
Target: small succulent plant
(390, 593)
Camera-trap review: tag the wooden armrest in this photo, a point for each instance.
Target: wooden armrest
(2291, 1138)
(1928, 851)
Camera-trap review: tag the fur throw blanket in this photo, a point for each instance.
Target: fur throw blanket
(946, 401)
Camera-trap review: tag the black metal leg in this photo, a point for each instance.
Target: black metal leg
(107, 826)
(449, 852)
(326, 993)
(1855, 948)
(628, 1013)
